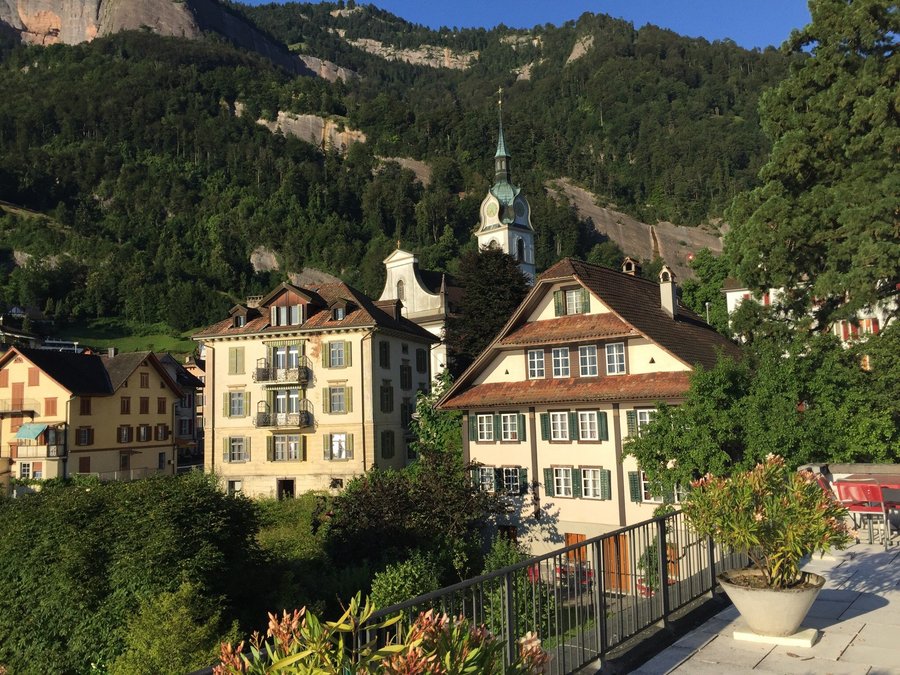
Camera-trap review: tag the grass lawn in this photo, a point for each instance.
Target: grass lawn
(105, 333)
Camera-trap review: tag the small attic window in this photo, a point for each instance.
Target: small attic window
(339, 313)
(240, 320)
(286, 315)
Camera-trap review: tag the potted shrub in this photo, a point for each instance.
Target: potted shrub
(777, 517)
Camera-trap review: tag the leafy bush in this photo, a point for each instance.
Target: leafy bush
(417, 575)
(435, 643)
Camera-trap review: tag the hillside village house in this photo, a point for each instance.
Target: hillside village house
(184, 427)
(578, 369)
(308, 387)
(65, 413)
(196, 366)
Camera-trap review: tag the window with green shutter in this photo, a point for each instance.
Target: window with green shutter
(605, 484)
(576, 483)
(573, 425)
(634, 486)
(631, 421)
(545, 426)
(523, 481)
(603, 424)
(559, 303)
(548, 482)
(235, 360)
(521, 427)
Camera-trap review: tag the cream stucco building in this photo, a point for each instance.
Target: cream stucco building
(65, 413)
(308, 387)
(578, 368)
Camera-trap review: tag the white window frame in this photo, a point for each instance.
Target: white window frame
(234, 486)
(485, 427)
(279, 358)
(336, 356)
(536, 365)
(509, 427)
(587, 361)
(590, 483)
(237, 449)
(486, 478)
(559, 425)
(511, 480)
(25, 470)
(560, 360)
(293, 356)
(588, 425)
(615, 358)
(574, 304)
(337, 399)
(287, 448)
(562, 481)
(647, 496)
(236, 404)
(642, 417)
(339, 446)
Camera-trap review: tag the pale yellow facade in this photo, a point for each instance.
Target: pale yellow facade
(344, 409)
(119, 436)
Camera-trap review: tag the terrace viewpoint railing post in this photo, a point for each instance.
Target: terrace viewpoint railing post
(510, 618)
(662, 553)
(711, 551)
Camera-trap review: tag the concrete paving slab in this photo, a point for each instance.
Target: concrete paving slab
(830, 646)
(695, 666)
(829, 609)
(883, 657)
(665, 661)
(728, 652)
(878, 635)
(795, 663)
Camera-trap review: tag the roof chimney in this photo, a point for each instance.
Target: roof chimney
(631, 267)
(668, 292)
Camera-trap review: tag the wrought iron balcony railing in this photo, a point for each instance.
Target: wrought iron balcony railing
(266, 373)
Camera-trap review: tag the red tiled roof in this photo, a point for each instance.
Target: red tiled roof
(652, 386)
(568, 329)
(365, 312)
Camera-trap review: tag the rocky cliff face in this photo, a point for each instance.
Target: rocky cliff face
(46, 22)
(320, 131)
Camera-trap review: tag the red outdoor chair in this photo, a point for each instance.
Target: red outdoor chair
(866, 501)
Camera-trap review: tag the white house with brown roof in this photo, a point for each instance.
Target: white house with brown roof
(308, 387)
(578, 368)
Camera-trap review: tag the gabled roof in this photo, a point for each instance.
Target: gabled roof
(636, 310)
(81, 374)
(363, 314)
(637, 302)
(649, 386)
(184, 378)
(281, 288)
(121, 366)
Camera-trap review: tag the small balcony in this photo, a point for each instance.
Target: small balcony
(18, 405)
(286, 420)
(266, 373)
(53, 451)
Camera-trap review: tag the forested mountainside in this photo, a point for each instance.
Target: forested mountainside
(148, 192)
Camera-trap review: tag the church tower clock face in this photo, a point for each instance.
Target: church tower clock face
(492, 210)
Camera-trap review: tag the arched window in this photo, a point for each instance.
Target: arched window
(401, 292)
(520, 250)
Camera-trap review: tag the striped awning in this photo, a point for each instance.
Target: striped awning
(283, 343)
(30, 431)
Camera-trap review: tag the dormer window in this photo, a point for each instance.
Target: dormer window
(240, 320)
(285, 315)
(339, 313)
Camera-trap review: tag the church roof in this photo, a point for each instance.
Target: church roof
(501, 144)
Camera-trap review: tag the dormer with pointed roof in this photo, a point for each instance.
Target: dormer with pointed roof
(505, 215)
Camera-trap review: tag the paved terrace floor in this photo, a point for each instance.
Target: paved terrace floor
(857, 612)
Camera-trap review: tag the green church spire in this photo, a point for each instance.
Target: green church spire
(501, 157)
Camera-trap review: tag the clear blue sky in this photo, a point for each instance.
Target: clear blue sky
(750, 23)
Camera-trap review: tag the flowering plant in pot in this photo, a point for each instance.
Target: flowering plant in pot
(777, 517)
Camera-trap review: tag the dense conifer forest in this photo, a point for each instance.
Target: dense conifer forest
(140, 194)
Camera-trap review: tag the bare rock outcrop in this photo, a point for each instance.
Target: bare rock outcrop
(421, 169)
(674, 243)
(423, 55)
(46, 22)
(581, 47)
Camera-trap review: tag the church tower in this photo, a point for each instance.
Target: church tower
(505, 216)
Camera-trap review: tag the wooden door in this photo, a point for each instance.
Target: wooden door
(576, 554)
(18, 395)
(616, 569)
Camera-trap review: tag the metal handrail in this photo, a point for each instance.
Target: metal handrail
(266, 373)
(587, 598)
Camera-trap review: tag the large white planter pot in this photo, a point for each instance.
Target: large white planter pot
(770, 611)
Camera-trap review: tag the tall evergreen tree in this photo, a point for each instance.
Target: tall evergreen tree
(823, 224)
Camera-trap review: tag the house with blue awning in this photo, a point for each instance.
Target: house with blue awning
(66, 413)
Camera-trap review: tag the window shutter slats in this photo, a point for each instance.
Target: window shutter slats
(473, 427)
(631, 420)
(348, 399)
(326, 399)
(559, 303)
(573, 425)
(521, 427)
(270, 448)
(348, 354)
(498, 429)
(523, 481)
(350, 446)
(225, 457)
(225, 407)
(602, 425)
(545, 426)
(498, 480)
(605, 484)
(326, 445)
(548, 482)
(634, 486)
(585, 300)
(246, 404)
(247, 448)
(326, 350)
(303, 448)
(576, 483)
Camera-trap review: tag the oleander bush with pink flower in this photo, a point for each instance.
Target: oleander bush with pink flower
(298, 643)
(773, 514)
